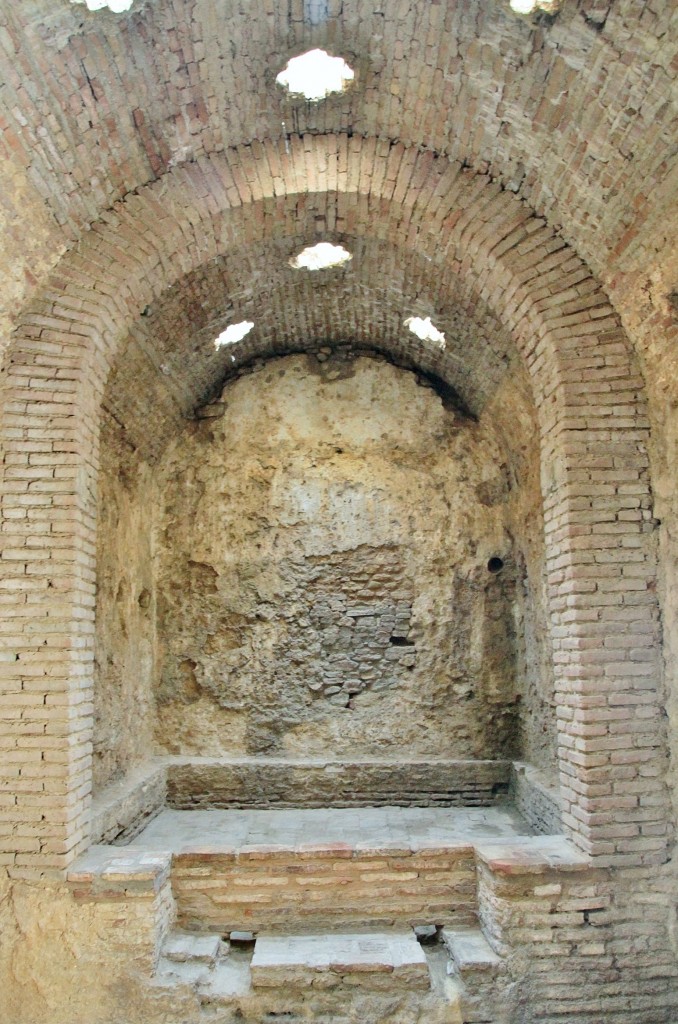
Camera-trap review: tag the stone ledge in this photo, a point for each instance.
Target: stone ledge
(226, 783)
(536, 796)
(123, 809)
(181, 947)
(470, 951)
(104, 874)
(533, 855)
(228, 851)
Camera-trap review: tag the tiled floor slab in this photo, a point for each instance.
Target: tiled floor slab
(359, 828)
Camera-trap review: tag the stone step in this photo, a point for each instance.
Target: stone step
(370, 959)
(225, 980)
(229, 979)
(111, 873)
(207, 964)
(181, 972)
(470, 951)
(474, 968)
(183, 947)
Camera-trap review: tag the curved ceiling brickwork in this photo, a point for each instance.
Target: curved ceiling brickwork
(572, 344)
(432, 236)
(97, 104)
(170, 350)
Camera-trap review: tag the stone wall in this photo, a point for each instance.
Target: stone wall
(269, 782)
(583, 945)
(514, 417)
(305, 572)
(322, 571)
(123, 808)
(67, 958)
(536, 797)
(324, 889)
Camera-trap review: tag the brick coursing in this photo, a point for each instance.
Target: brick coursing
(595, 478)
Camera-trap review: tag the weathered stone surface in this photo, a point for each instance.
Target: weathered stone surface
(124, 807)
(470, 951)
(124, 711)
(180, 947)
(306, 602)
(536, 797)
(371, 782)
(297, 960)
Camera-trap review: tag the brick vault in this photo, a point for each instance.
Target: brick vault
(338, 590)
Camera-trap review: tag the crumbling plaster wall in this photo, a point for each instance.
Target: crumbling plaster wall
(68, 962)
(125, 646)
(322, 573)
(318, 570)
(512, 413)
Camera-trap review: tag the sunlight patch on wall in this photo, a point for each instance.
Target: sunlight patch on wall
(530, 6)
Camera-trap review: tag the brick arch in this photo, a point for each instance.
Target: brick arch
(593, 439)
(363, 304)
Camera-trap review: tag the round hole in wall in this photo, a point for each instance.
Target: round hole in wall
(495, 565)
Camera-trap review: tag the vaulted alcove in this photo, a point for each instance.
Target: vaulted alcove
(335, 600)
(332, 560)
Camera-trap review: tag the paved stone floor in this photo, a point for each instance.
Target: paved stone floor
(361, 828)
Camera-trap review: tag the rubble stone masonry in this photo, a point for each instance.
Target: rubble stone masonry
(440, 574)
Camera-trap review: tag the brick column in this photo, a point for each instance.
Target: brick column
(601, 562)
(47, 594)
(605, 630)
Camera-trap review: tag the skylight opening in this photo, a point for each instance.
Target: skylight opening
(320, 257)
(117, 6)
(425, 330)
(315, 75)
(530, 6)
(233, 333)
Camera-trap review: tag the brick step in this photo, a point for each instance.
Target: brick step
(332, 886)
(375, 960)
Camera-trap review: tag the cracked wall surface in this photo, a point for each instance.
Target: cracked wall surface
(320, 542)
